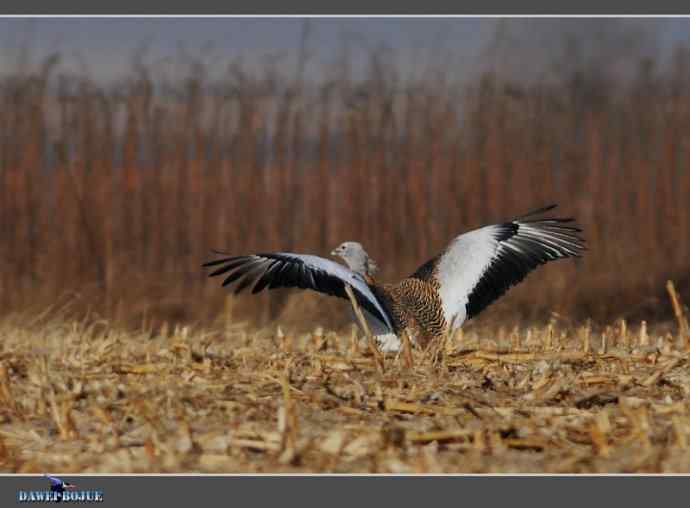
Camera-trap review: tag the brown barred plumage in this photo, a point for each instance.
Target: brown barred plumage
(419, 303)
(415, 307)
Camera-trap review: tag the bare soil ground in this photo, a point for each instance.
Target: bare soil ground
(78, 397)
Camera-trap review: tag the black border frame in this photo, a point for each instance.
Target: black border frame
(355, 490)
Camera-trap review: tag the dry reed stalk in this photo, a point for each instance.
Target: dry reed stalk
(61, 413)
(658, 373)
(6, 389)
(599, 429)
(637, 416)
(519, 358)
(623, 333)
(441, 436)
(109, 428)
(515, 338)
(318, 339)
(643, 337)
(604, 340)
(434, 352)
(644, 428)
(548, 340)
(354, 341)
(684, 335)
(679, 432)
(585, 333)
(151, 450)
(407, 349)
(287, 423)
(285, 344)
(480, 444)
(378, 358)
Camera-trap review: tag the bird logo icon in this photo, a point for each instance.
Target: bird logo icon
(59, 486)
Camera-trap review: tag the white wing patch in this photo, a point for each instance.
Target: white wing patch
(479, 266)
(461, 267)
(387, 341)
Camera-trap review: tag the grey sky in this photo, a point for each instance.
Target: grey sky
(106, 45)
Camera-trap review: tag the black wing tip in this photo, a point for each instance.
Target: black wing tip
(227, 257)
(236, 265)
(542, 210)
(539, 211)
(214, 262)
(562, 225)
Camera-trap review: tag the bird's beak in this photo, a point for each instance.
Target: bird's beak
(334, 252)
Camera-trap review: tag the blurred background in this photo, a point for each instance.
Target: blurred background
(131, 147)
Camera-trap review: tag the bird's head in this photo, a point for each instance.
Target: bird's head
(347, 249)
(356, 257)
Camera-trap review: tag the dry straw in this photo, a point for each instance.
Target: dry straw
(684, 335)
(79, 398)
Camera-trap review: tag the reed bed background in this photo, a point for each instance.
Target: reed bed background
(112, 195)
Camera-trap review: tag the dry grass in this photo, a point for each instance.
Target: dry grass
(78, 397)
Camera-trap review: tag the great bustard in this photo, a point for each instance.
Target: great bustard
(472, 272)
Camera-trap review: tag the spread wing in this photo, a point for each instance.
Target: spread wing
(481, 265)
(289, 270)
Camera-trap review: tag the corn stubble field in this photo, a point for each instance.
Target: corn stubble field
(79, 397)
(118, 355)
